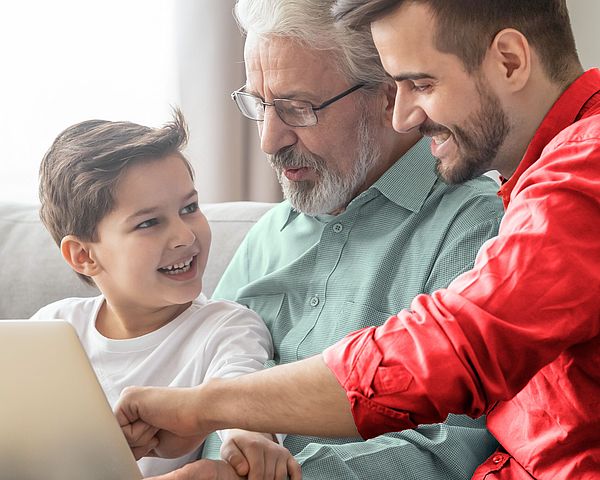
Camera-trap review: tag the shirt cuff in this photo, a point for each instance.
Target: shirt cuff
(356, 363)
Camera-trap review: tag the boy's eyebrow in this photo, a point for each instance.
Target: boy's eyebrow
(150, 210)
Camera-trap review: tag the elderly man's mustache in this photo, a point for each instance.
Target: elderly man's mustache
(291, 157)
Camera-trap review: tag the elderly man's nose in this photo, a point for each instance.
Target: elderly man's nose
(274, 133)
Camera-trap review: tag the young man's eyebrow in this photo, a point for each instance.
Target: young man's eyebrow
(412, 76)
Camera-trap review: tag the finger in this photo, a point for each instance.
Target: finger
(281, 471)
(126, 409)
(294, 470)
(234, 456)
(271, 462)
(257, 466)
(139, 433)
(145, 450)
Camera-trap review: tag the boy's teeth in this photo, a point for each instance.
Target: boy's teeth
(185, 266)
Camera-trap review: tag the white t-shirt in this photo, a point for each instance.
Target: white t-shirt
(211, 339)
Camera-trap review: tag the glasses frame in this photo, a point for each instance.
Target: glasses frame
(314, 108)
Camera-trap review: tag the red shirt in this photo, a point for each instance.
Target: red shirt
(517, 337)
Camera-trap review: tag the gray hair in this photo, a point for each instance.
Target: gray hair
(311, 23)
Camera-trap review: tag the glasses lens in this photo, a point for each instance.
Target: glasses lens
(295, 112)
(250, 106)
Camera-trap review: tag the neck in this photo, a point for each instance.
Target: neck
(530, 107)
(392, 149)
(121, 322)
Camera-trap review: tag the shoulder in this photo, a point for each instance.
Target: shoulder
(212, 323)
(223, 312)
(274, 219)
(477, 198)
(571, 157)
(67, 308)
(586, 130)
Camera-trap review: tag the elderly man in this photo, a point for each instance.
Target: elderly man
(367, 224)
(518, 336)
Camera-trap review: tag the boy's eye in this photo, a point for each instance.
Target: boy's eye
(147, 224)
(191, 208)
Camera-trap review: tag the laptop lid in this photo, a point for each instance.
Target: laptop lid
(55, 422)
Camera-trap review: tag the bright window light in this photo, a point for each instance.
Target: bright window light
(66, 61)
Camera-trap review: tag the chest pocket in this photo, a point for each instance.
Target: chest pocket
(336, 322)
(355, 316)
(270, 308)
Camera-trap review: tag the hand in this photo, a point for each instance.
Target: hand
(159, 421)
(201, 470)
(259, 457)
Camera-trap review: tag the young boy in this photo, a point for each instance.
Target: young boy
(119, 200)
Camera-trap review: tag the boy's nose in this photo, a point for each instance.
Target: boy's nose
(183, 235)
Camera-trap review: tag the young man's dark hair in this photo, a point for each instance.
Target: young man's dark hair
(466, 28)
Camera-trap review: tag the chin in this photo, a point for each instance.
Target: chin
(459, 171)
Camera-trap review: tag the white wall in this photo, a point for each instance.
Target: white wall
(585, 18)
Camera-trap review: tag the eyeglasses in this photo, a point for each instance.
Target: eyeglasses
(295, 113)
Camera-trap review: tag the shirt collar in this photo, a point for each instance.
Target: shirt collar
(407, 182)
(562, 114)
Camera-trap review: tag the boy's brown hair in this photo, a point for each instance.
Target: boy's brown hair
(466, 28)
(80, 172)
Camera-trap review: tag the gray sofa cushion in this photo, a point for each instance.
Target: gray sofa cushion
(34, 274)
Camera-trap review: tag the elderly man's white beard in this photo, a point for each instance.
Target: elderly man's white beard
(333, 190)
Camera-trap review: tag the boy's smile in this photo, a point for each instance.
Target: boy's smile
(153, 247)
(183, 270)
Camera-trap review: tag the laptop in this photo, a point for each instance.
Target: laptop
(55, 422)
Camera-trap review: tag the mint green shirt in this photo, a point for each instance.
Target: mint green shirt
(315, 279)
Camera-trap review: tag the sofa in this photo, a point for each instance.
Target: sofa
(35, 274)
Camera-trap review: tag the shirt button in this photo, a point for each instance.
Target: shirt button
(338, 227)
(497, 459)
(314, 301)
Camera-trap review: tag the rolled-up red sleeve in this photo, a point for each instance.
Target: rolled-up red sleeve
(532, 293)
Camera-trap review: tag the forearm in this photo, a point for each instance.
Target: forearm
(302, 398)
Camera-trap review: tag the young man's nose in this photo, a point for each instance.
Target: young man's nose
(274, 133)
(407, 114)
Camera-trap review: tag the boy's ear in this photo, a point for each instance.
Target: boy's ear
(77, 254)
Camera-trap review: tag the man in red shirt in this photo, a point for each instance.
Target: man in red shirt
(497, 85)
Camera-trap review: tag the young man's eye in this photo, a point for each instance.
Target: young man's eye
(147, 224)
(421, 88)
(191, 208)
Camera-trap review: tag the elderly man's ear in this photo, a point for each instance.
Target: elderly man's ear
(79, 255)
(389, 99)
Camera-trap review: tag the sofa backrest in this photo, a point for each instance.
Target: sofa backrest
(33, 273)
